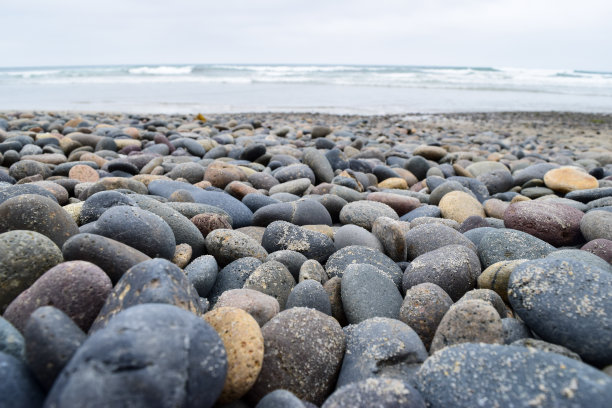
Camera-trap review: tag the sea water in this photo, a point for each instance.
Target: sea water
(342, 89)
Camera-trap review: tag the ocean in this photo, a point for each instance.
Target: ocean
(340, 89)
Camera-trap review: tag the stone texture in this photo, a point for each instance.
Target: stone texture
(303, 350)
(244, 345)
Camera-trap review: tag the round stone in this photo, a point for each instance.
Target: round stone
(508, 244)
(244, 345)
(367, 292)
(303, 350)
(24, 257)
(458, 206)
(596, 225)
(309, 293)
(98, 203)
(566, 302)
(372, 392)
(350, 234)
(153, 281)
(428, 237)
(77, 288)
(281, 235)
(496, 277)
(364, 213)
(130, 224)
(355, 254)
(33, 212)
(83, 173)
(557, 224)
(469, 321)
(601, 247)
(272, 278)
(454, 268)
(227, 245)
(423, 308)
(380, 348)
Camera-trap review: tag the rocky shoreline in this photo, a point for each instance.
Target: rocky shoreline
(300, 260)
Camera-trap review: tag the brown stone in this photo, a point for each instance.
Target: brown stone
(244, 345)
(239, 189)
(434, 153)
(83, 173)
(77, 288)
(469, 321)
(495, 208)
(399, 203)
(220, 174)
(182, 255)
(496, 277)
(208, 222)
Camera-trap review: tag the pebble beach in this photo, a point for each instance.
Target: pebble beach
(305, 260)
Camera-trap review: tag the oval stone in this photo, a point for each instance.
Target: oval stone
(77, 288)
(303, 350)
(24, 257)
(566, 302)
(557, 224)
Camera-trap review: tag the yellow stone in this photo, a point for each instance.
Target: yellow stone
(244, 345)
(458, 205)
(394, 182)
(566, 179)
(121, 143)
(74, 210)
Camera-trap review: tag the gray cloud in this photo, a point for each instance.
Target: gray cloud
(536, 33)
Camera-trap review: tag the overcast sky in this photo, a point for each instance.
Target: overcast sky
(565, 34)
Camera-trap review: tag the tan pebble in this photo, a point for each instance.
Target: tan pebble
(182, 255)
(94, 158)
(394, 182)
(74, 210)
(244, 345)
(566, 179)
(203, 184)
(323, 229)
(495, 208)
(83, 173)
(460, 171)
(132, 132)
(430, 152)
(519, 198)
(496, 277)
(121, 143)
(458, 205)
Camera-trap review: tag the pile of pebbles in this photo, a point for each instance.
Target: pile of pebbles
(304, 260)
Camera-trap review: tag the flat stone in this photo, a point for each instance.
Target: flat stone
(233, 276)
(260, 306)
(202, 273)
(566, 179)
(309, 293)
